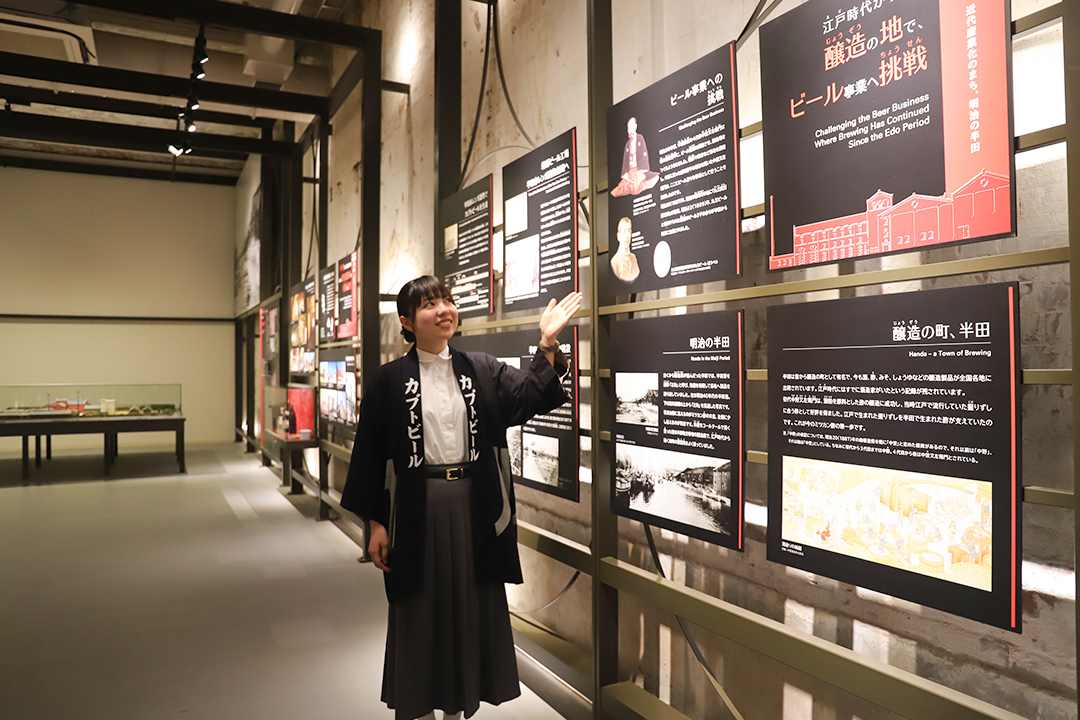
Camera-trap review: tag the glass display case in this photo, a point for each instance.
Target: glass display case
(89, 400)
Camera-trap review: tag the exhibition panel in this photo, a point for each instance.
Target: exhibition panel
(675, 213)
(894, 454)
(337, 395)
(543, 451)
(303, 315)
(540, 228)
(463, 252)
(678, 424)
(888, 131)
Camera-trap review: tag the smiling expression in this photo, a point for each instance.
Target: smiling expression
(435, 322)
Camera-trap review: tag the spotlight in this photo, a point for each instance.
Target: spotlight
(176, 150)
(197, 72)
(200, 46)
(189, 125)
(192, 102)
(187, 147)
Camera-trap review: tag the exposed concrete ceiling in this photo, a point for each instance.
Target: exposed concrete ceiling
(76, 33)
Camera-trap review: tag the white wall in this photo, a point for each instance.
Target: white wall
(101, 246)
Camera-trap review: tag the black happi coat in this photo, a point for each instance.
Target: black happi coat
(386, 480)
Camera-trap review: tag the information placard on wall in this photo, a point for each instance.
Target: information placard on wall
(894, 446)
(337, 394)
(678, 424)
(328, 317)
(346, 296)
(303, 312)
(543, 451)
(673, 165)
(463, 253)
(540, 225)
(886, 127)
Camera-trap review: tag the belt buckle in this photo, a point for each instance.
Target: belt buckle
(453, 473)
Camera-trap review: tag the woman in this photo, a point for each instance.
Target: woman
(431, 474)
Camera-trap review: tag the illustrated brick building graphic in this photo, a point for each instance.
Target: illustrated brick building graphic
(978, 208)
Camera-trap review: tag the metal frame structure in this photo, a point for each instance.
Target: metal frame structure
(898, 691)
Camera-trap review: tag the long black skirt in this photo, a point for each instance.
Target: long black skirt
(449, 646)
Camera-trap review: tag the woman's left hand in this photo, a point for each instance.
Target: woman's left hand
(557, 315)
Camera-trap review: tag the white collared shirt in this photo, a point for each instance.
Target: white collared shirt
(445, 423)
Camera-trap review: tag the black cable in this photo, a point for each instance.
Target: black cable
(479, 100)
(502, 76)
(753, 17)
(569, 585)
(754, 23)
(687, 634)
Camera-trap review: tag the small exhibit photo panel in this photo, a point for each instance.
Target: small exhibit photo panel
(463, 252)
(673, 166)
(543, 451)
(337, 300)
(348, 278)
(303, 340)
(678, 424)
(887, 127)
(337, 394)
(540, 225)
(328, 310)
(894, 446)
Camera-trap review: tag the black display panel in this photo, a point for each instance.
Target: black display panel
(673, 179)
(337, 395)
(678, 424)
(894, 446)
(463, 252)
(328, 318)
(887, 127)
(347, 274)
(540, 225)
(303, 312)
(543, 451)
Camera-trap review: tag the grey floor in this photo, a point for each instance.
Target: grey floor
(206, 596)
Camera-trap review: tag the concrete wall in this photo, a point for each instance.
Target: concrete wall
(545, 58)
(101, 246)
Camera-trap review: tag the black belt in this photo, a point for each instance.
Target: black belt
(448, 472)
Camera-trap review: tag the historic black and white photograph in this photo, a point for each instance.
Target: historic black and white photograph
(540, 458)
(638, 398)
(693, 490)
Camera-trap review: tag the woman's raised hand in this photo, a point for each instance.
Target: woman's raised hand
(557, 315)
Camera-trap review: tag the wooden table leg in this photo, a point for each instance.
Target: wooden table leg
(37, 451)
(295, 487)
(180, 449)
(108, 453)
(26, 457)
(48, 447)
(286, 467)
(324, 476)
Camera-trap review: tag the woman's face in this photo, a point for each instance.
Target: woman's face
(623, 234)
(435, 322)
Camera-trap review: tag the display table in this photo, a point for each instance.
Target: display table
(109, 426)
(290, 447)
